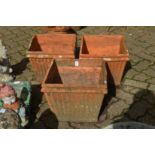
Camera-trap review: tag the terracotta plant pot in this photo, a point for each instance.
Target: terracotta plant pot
(109, 47)
(45, 47)
(75, 91)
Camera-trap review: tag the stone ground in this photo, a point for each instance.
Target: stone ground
(135, 98)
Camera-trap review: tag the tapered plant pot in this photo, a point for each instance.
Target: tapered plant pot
(75, 89)
(46, 47)
(111, 48)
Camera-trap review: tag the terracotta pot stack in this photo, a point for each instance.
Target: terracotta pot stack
(75, 88)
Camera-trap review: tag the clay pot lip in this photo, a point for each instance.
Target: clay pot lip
(72, 44)
(79, 89)
(102, 57)
(54, 34)
(102, 86)
(41, 55)
(98, 87)
(120, 38)
(73, 36)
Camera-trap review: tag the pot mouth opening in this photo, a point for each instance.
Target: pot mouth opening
(53, 44)
(76, 76)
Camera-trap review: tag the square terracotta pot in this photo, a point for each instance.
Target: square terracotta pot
(75, 91)
(45, 47)
(109, 47)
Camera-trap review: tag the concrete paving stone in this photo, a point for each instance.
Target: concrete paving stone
(152, 112)
(38, 125)
(133, 63)
(143, 44)
(18, 31)
(11, 52)
(149, 72)
(9, 37)
(116, 109)
(151, 87)
(30, 32)
(138, 109)
(135, 58)
(128, 98)
(142, 65)
(141, 77)
(128, 89)
(141, 93)
(23, 53)
(28, 78)
(13, 45)
(151, 81)
(149, 98)
(113, 100)
(7, 42)
(135, 90)
(8, 27)
(5, 32)
(24, 44)
(151, 50)
(147, 119)
(153, 67)
(14, 61)
(49, 120)
(136, 84)
(147, 57)
(131, 73)
(64, 125)
(43, 107)
(135, 50)
(17, 56)
(104, 123)
(21, 37)
(27, 74)
(20, 78)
